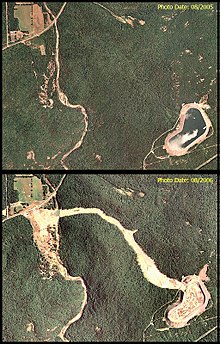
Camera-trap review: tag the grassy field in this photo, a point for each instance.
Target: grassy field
(29, 189)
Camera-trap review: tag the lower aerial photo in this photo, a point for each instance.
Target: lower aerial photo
(109, 257)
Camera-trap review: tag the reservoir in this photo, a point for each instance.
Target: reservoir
(194, 127)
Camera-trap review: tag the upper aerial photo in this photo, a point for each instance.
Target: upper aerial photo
(109, 85)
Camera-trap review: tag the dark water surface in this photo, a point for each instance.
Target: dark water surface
(194, 121)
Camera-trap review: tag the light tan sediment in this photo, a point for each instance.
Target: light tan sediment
(147, 265)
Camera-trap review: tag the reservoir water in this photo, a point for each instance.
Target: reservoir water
(193, 122)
